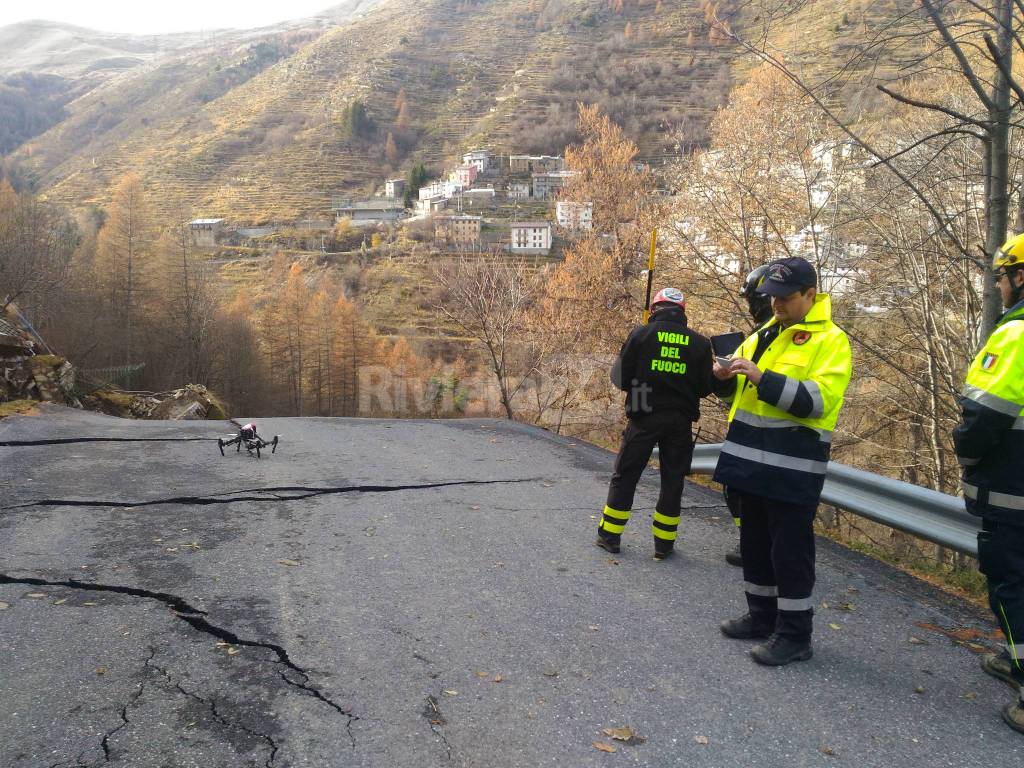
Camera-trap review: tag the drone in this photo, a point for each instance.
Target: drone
(248, 437)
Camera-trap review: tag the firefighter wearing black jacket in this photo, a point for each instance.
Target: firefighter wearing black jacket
(664, 367)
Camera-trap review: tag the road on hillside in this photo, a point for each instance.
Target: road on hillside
(418, 593)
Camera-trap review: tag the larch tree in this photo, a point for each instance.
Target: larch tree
(123, 256)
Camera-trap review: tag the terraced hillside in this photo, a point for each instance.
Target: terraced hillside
(255, 133)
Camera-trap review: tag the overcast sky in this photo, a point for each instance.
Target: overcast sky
(154, 17)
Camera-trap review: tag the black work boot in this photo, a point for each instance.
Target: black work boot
(1013, 715)
(733, 557)
(779, 650)
(1000, 666)
(608, 542)
(748, 627)
(663, 549)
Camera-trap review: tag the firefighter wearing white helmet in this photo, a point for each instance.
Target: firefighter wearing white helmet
(989, 445)
(664, 367)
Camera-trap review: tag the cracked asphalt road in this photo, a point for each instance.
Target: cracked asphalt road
(384, 593)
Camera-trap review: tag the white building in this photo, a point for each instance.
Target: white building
(445, 189)
(574, 217)
(477, 195)
(394, 188)
(531, 237)
(426, 205)
(843, 282)
(479, 158)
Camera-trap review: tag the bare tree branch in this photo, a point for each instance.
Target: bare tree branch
(933, 107)
(965, 65)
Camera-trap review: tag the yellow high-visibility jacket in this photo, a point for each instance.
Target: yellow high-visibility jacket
(990, 437)
(780, 431)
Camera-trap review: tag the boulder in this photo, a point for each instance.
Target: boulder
(190, 402)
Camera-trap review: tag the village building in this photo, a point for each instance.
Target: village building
(574, 217)
(531, 237)
(478, 194)
(478, 158)
(380, 210)
(458, 230)
(464, 175)
(394, 188)
(444, 189)
(205, 231)
(519, 190)
(429, 205)
(549, 185)
(523, 165)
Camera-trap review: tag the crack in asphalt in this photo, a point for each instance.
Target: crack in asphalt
(194, 617)
(271, 493)
(105, 743)
(432, 714)
(212, 705)
(71, 440)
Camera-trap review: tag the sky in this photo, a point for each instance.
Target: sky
(155, 18)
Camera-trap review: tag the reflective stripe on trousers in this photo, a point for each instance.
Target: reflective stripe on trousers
(614, 520)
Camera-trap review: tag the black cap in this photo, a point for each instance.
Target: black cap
(787, 276)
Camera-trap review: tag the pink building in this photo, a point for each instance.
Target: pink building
(465, 175)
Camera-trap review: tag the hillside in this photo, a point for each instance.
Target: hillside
(51, 48)
(253, 132)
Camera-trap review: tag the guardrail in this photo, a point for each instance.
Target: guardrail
(928, 514)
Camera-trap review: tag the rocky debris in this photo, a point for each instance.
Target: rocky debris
(46, 378)
(190, 402)
(27, 378)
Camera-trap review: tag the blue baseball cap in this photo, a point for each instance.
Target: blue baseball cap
(787, 276)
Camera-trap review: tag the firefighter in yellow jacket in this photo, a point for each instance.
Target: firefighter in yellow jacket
(786, 384)
(990, 447)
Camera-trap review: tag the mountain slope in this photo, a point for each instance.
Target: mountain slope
(255, 132)
(46, 47)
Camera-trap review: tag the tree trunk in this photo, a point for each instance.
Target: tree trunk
(997, 210)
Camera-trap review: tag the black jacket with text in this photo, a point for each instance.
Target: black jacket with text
(664, 366)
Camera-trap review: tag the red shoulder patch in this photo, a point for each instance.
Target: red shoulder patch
(801, 337)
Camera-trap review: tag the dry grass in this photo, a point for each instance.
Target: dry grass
(19, 408)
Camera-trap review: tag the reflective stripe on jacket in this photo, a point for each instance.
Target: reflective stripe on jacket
(989, 440)
(780, 432)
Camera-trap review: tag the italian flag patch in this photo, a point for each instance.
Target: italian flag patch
(989, 362)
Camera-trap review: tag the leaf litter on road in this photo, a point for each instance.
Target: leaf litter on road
(625, 734)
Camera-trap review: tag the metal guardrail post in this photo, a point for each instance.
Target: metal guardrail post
(928, 514)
